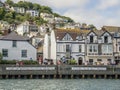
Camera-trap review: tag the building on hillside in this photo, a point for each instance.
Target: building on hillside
(18, 9)
(65, 45)
(47, 17)
(16, 47)
(33, 13)
(99, 46)
(28, 28)
(4, 25)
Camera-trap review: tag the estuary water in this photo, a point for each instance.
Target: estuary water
(60, 84)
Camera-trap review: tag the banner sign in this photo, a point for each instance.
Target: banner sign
(89, 68)
(30, 68)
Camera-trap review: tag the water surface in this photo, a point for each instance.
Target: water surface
(60, 84)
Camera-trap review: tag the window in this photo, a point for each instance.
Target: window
(67, 48)
(99, 60)
(24, 53)
(14, 43)
(91, 39)
(119, 48)
(105, 39)
(5, 52)
(91, 61)
(90, 48)
(95, 48)
(80, 48)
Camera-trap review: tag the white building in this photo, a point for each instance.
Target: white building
(16, 47)
(65, 45)
(33, 13)
(18, 9)
(99, 47)
(27, 28)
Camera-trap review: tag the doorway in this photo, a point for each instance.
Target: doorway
(80, 61)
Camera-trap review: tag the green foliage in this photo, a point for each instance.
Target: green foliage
(7, 62)
(25, 62)
(29, 62)
(13, 17)
(1, 57)
(10, 2)
(2, 13)
(72, 62)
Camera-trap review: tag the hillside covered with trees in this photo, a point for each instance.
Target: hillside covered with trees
(13, 17)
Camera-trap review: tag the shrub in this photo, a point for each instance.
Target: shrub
(72, 62)
(29, 62)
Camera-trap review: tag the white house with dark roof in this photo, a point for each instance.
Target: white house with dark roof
(16, 47)
(65, 45)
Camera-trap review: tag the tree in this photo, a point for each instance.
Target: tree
(36, 6)
(2, 13)
(1, 57)
(46, 9)
(92, 27)
(10, 2)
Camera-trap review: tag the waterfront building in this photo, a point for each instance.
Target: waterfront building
(64, 45)
(99, 47)
(16, 47)
(115, 31)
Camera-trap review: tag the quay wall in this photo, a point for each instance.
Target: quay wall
(59, 71)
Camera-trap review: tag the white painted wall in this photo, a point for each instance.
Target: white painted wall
(53, 47)
(46, 47)
(14, 53)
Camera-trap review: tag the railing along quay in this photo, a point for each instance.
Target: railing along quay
(58, 71)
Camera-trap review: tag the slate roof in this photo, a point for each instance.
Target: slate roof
(14, 36)
(111, 28)
(60, 33)
(72, 32)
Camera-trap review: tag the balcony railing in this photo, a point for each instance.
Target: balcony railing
(103, 54)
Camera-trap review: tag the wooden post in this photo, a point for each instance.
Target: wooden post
(83, 76)
(71, 76)
(43, 76)
(105, 76)
(31, 76)
(116, 76)
(94, 76)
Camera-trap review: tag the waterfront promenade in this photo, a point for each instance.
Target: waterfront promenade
(59, 72)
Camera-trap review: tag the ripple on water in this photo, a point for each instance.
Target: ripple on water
(60, 84)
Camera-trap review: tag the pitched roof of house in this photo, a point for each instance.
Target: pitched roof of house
(72, 32)
(14, 36)
(111, 28)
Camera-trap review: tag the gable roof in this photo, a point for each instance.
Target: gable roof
(14, 36)
(111, 28)
(60, 33)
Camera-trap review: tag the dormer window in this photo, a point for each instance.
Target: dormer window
(105, 39)
(91, 39)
